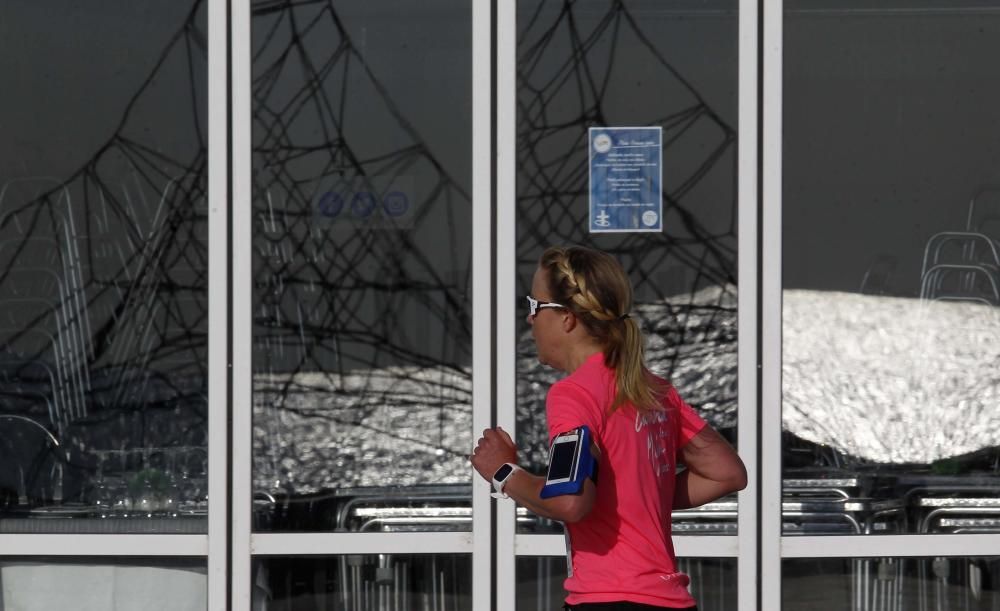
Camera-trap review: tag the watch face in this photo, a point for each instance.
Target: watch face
(502, 473)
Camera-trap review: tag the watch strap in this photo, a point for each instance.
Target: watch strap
(498, 485)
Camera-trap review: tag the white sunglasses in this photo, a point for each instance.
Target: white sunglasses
(534, 305)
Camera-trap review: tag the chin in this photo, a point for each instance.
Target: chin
(549, 363)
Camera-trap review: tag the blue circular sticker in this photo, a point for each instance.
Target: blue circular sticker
(395, 203)
(331, 203)
(363, 204)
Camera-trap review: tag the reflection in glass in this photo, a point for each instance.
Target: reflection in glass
(362, 259)
(852, 584)
(540, 579)
(99, 584)
(891, 245)
(635, 63)
(383, 582)
(103, 262)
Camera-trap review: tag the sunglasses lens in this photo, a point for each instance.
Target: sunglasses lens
(532, 306)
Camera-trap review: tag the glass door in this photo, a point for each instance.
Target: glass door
(565, 69)
(357, 318)
(107, 185)
(882, 307)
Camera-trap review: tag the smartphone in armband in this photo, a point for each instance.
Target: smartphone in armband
(571, 462)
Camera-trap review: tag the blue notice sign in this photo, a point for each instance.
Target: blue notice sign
(625, 175)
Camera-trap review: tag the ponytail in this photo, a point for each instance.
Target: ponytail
(634, 381)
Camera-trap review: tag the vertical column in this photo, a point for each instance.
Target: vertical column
(482, 291)
(748, 307)
(241, 261)
(770, 438)
(506, 315)
(218, 300)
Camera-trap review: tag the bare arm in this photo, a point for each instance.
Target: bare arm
(525, 487)
(496, 448)
(713, 470)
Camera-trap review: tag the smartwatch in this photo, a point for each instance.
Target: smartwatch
(500, 478)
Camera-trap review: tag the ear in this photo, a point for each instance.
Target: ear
(569, 321)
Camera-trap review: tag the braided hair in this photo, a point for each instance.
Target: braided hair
(595, 287)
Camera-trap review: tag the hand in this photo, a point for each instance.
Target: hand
(495, 448)
(714, 469)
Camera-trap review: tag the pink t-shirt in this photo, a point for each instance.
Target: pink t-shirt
(622, 549)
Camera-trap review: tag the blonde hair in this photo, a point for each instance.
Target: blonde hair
(595, 287)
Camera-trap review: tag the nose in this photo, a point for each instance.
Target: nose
(530, 319)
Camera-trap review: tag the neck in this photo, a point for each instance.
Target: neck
(579, 355)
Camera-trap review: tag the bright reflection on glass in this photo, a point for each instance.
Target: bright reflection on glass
(99, 584)
(540, 579)
(383, 582)
(887, 369)
(852, 584)
(891, 270)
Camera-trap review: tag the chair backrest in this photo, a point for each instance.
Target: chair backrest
(959, 247)
(984, 211)
(961, 283)
(32, 453)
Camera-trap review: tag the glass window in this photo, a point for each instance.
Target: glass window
(103, 267)
(628, 64)
(891, 246)
(540, 582)
(99, 584)
(847, 584)
(362, 302)
(389, 582)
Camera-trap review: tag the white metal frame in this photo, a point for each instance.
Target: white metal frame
(104, 545)
(769, 474)
(506, 278)
(241, 374)
(218, 307)
(310, 544)
(889, 546)
(747, 332)
(482, 294)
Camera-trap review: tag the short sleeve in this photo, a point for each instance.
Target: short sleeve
(568, 406)
(690, 422)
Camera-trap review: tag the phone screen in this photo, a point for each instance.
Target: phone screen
(562, 459)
